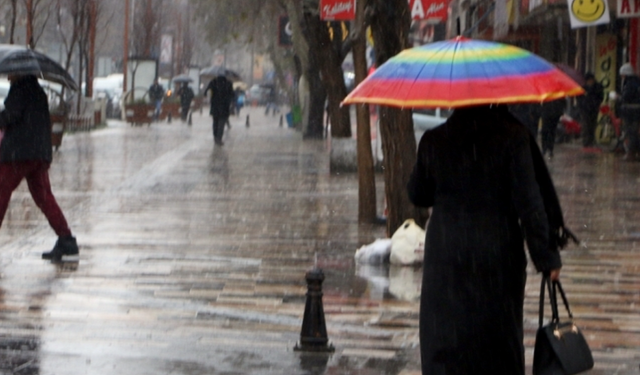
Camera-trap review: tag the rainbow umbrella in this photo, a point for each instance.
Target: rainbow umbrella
(463, 72)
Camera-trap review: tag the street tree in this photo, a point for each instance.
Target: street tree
(367, 209)
(314, 53)
(38, 13)
(390, 22)
(327, 43)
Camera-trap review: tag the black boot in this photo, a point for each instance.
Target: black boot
(65, 246)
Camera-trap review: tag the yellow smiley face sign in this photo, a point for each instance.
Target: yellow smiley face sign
(588, 10)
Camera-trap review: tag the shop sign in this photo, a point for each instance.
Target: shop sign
(588, 13)
(606, 63)
(430, 10)
(337, 10)
(628, 8)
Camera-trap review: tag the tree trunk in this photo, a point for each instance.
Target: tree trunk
(328, 57)
(93, 19)
(366, 175)
(317, 91)
(14, 16)
(318, 96)
(390, 23)
(29, 31)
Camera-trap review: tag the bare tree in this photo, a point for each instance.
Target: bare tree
(146, 30)
(38, 13)
(14, 16)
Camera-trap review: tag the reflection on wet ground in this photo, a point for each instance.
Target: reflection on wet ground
(193, 259)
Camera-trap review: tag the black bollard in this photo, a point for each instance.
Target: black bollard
(189, 122)
(247, 122)
(281, 120)
(313, 336)
(169, 117)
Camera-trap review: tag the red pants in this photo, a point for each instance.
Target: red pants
(37, 175)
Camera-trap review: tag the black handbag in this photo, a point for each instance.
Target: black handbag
(560, 347)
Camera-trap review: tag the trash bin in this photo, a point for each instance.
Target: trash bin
(290, 119)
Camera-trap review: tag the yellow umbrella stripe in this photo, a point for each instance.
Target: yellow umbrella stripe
(463, 55)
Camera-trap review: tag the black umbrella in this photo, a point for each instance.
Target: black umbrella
(181, 78)
(215, 71)
(23, 61)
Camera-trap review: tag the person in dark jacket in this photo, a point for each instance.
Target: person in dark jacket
(25, 153)
(630, 110)
(589, 105)
(221, 97)
(551, 113)
(156, 94)
(186, 96)
(477, 173)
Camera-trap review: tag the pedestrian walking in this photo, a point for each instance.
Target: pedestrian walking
(478, 174)
(239, 101)
(630, 110)
(186, 97)
(589, 106)
(221, 98)
(156, 94)
(272, 101)
(25, 153)
(551, 113)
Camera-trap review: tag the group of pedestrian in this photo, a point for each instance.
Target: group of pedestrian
(546, 117)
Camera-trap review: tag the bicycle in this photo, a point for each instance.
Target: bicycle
(609, 130)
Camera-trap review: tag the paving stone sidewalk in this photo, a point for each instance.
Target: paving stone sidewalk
(193, 259)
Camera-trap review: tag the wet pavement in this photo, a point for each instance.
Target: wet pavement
(193, 259)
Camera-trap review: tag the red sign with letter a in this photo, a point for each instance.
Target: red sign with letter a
(337, 10)
(430, 10)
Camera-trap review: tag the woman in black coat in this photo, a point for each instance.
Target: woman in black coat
(477, 172)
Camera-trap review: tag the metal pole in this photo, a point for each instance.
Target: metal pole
(125, 43)
(30, 23)
(93, 18)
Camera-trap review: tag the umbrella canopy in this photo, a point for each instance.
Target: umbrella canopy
(572, 73)
(214, 71)
(463, 72)
(181, 78)
(22, 60)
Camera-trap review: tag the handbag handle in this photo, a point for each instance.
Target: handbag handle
(552, 287)
(558, 286)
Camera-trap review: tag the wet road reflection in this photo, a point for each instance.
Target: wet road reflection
(193, 259)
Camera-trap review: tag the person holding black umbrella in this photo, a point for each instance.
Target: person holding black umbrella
(221, 97)
(25, 153)
(186, 96)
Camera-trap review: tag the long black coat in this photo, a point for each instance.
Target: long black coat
(26, 123)
(630, 99)
(477, 173)
(221, 96)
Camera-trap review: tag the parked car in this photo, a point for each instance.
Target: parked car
(257, 94)
(4, 91)
(428, 118)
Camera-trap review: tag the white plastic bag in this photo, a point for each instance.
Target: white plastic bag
(407, 244)
(374, 253)
(405, 283)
